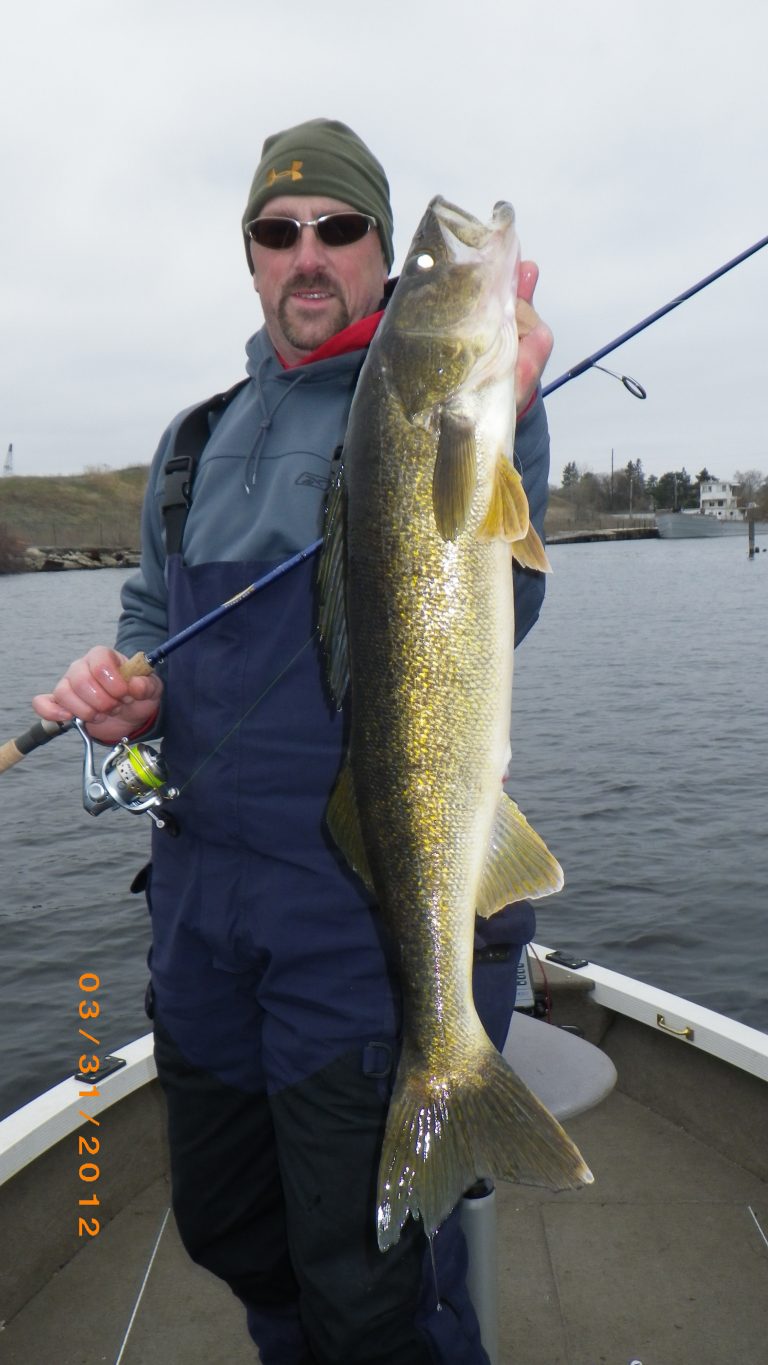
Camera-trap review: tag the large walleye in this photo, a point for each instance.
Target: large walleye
(417, 612)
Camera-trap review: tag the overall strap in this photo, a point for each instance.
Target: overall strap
(191, 440)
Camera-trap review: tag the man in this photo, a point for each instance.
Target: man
(275, 1003)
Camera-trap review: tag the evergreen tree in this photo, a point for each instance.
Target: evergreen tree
(674, 490)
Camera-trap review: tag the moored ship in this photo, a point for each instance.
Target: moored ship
(687, 525)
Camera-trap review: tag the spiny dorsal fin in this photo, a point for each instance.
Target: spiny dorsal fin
(507, 517)
(344, 823)
(519, 866)
(331, 580)
(453, 482)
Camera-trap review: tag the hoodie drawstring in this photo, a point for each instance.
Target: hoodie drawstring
(252, 463)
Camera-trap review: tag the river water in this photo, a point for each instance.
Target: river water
(640, 752)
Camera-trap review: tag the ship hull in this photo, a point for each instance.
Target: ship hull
(699, 526)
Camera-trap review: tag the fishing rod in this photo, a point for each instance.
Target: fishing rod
(634, 388)
(133, 776)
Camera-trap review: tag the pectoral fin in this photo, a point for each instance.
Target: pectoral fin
(519, 865)
(453, 481)
(344, 823)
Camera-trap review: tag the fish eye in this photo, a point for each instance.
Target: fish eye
(425, 261)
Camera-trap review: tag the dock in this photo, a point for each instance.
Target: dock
(614, 533)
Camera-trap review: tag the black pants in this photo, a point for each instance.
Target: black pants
(276, 1195)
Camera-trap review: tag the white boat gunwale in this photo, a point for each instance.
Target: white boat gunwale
(738, 1044)
(44, 1121)
(679, 1150)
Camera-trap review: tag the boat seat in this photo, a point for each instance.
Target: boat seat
(569, 1075)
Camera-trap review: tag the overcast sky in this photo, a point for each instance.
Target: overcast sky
(631, 138)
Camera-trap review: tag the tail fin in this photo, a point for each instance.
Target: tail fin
(444, 1133)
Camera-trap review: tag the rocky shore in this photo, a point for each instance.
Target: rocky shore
(55, 558)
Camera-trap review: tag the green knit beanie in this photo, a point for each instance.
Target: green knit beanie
(325, 158)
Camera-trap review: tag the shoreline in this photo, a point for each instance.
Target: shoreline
(614, 533)
(58, 559)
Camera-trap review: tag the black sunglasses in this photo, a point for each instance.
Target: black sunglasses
(333, 229)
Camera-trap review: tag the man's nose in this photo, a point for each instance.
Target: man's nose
(309, 250)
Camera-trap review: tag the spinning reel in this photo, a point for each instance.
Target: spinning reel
(133, 777)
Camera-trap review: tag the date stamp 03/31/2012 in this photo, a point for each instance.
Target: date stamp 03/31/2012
(91, 1069)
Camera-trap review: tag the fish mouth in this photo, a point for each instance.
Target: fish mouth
(457, 225)
(492, 246)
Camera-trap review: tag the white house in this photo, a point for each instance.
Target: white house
(718, 499)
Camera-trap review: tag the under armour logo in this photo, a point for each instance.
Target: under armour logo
(293, 173)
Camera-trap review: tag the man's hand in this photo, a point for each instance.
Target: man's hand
(94, 690)
(535, 338)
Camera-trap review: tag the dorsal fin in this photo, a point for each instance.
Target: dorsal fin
(331, 581)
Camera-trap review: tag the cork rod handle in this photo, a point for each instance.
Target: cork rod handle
(43, 731)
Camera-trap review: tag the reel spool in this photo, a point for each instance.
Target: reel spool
(133, 777)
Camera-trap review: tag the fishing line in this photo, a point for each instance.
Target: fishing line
(247, 713)
(431, 1240)
(143, 1287)
(631, 384)
(757, 1225)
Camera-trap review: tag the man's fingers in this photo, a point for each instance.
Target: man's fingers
(535, 337)
(93, 687)
(528, 277)
(527, 318)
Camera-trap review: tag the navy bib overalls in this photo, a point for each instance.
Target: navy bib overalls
(276, 1006)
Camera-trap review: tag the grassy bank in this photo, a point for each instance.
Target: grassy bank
(565, 516)
(101, 507)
